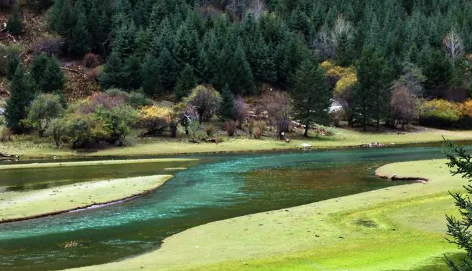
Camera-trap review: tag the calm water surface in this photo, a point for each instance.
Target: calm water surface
(217, 187)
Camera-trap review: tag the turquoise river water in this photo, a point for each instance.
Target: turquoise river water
(215, 188)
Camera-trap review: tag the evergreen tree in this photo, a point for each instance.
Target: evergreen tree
(150, 76)
(186, 45)
(14, 24)
(12, 64)
(78, 41)
(131, 73)
(168, 70)
(47, 74)
(21, 94)
(460, 164)
(112, 73)
(185, 84)
(311, 95)
(227, 109)
(371, 96)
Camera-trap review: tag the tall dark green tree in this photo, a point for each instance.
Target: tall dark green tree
(459, 228)
(21, 94)
(227, 109)
(131, 73)
(150, 76)
(311, 95)
(112, 73)
(371, 96)
(168, 70)
(47, 74)
(14, 24)
(79, 39)
(187, 81)
(12, 64)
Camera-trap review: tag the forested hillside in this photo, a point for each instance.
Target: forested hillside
(388, 61)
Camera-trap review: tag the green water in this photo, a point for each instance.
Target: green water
(219, 187)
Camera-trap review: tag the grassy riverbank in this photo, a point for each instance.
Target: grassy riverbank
(94, 163)
(398, 228)
(37, 203)
(30, 147)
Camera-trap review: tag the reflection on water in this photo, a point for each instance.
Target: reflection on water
(220, 187)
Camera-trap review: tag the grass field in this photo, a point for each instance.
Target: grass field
(36, 203)
(31, 147)
(400, 228)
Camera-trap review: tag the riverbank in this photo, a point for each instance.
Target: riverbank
(396, 228)
(341, 138)
(16, 206)
(95, 163)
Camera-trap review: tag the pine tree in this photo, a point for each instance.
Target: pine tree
(47, 74)
(168, 70)
(186, 45)
(227, 109)
(79, 39)
(21, 94)
(311, 95)
(460, 164)
(14, 24)
(112, 73)
(186, 82)
(12, 64)
(132, 73)
(371, 96)
(150, 76)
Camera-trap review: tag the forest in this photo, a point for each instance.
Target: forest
(388, 62)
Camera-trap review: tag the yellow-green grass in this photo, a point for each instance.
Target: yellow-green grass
(23, 205)
(94, 163)
(33, 147)
(397, 228)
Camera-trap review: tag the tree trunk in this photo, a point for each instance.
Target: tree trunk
(306, 130)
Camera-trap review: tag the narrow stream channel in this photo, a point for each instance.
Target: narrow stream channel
(216, 188)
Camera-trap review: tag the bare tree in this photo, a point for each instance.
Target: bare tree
(343, 29)
(403, 106)
(258, 7)
(453, 45)
(323, 45)
(279, 107)
(241, 110)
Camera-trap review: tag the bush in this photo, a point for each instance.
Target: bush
(209, 129)
(95, 73)
(7, 52)
(206, 101)
(51, 46)
(154, 119)
(441, 113)
(258, 133)
(43, 110)
(2, 120)
(138, 99)
(230, 127)
(91, 60)
(5, 134)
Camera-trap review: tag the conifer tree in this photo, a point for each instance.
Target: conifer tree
(14, 24)
(131, 73)
(185, 84)
(112, 73)
(311, 95)
(168, 70)
(227, 109)
(12, 64)
(47, 74)
(186, 45)
(79, 39)
(150, 76)
(371, 96)
(21, 94)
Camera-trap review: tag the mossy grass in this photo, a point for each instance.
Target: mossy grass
(15, 206)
